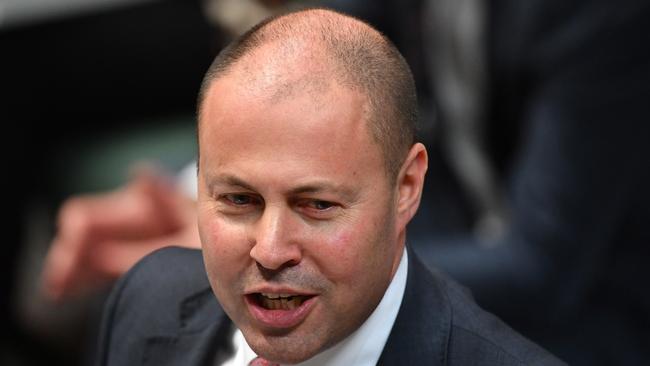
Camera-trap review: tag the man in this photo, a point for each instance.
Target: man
(308, 175)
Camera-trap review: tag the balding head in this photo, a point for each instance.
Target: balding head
(306, 51)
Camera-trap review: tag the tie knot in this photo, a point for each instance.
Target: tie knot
(259, 361)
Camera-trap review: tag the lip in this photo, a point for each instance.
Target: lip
(279, 319)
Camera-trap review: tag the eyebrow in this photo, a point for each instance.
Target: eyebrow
(312, 187)
(229, 180)
(318, 187)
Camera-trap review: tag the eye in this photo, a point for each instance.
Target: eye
(240, 199)
(320, 205)
(319, 209)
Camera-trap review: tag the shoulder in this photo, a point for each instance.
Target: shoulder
(476, 334)
(147, 301)
(159, 282)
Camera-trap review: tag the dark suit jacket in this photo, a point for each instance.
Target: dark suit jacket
(163, 312)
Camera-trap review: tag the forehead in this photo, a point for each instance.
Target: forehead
(323, 129)
(277, 70)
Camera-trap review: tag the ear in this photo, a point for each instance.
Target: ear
(410, 182)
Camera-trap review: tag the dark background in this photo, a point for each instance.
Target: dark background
(71, 88)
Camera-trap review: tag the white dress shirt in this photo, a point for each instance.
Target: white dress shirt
(361, 348)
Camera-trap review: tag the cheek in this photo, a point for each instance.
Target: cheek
(358, 249)
(224, 247)
(343, 254)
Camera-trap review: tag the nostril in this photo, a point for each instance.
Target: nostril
(269, 273)
(276, 257)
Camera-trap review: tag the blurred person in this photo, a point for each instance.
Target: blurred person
(308, 176)
(562, 89)
(99, 237)
(551, 97)
(72, 80)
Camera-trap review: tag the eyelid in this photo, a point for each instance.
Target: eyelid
(306, 206)
(228, 197)
(309, 201)
(328, 203)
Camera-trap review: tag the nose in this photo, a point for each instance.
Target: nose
(274, 246)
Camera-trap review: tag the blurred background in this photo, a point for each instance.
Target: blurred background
(534, 114)
(89, 88)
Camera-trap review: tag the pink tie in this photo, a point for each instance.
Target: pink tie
(259, 361)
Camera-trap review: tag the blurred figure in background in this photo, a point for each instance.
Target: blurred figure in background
(86, 86)
(99, 237)
(562, 94)
(541, 119)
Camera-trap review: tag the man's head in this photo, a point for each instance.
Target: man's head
(339, 47)
(307, 179)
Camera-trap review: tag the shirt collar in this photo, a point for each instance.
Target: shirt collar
(362, 347)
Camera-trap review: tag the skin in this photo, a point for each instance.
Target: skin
(294, 197)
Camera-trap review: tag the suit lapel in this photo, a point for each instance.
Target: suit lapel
(202, 337)
(421, 331)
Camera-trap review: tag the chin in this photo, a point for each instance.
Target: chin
(284, 356)
(287, 349)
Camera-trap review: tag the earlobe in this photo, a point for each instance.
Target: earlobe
(410, 183)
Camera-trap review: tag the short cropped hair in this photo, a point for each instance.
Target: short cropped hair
(361, 58)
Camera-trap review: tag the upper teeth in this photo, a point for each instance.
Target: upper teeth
(275, 296)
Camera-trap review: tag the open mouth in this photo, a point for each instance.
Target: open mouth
(279, 301)
(280, 310)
